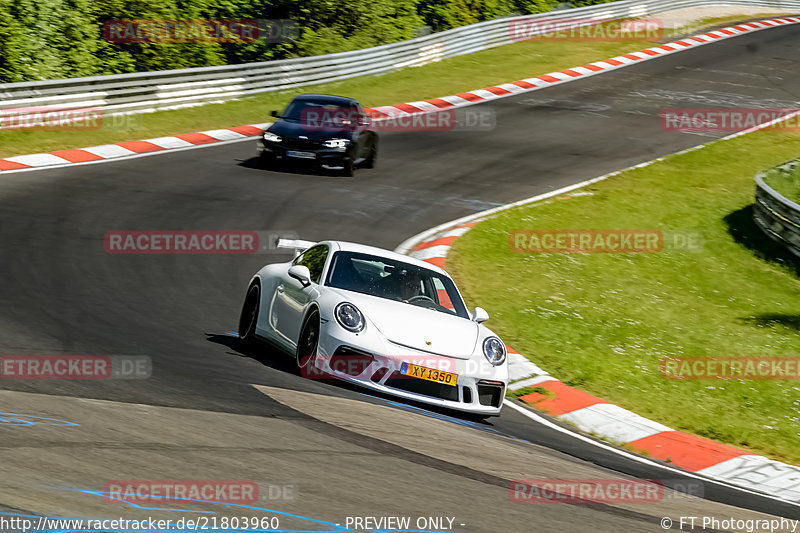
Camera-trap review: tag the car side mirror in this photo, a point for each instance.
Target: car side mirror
(301, 274)
(273, 114)
(480, 315)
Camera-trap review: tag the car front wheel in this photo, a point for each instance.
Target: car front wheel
(309, 340)
(249, 316)
(372, 158)
(348, 167)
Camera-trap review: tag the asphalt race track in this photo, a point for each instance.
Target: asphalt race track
(345, 453)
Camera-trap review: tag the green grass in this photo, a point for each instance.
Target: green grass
(601, 322)
(787, 184)
(474, 71)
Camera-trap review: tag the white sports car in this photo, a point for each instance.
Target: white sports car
(380, 319)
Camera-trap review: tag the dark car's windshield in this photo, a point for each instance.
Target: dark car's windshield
(323, 112)
(395, 280)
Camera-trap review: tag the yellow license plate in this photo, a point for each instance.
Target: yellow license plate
(429, 374)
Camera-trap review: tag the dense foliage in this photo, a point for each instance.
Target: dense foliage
(50, 39)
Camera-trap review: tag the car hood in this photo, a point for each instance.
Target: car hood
(416, 327)
(290, 128)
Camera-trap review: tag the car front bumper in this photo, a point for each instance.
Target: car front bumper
(480, 387)
(321, 156)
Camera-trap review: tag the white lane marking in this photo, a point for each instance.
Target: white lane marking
(511, 87)
(613, 422)
(110, 151)
(605, 66)
(483, 93)
(625, 60)
(224, 135)
(168, 142)
(531, 382)
(453, 99)
(582, 70)
(457, 232)
(425, 106)
(760, 473)
(37, 160)
(520, 366)
(430, 253)
(640, 55)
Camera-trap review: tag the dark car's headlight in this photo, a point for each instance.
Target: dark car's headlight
(272, 137)
(494, 350)
(349, 317)
(336, 143)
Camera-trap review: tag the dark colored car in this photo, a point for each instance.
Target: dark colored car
(330, 131)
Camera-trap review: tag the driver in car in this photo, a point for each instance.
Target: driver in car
(409, 285)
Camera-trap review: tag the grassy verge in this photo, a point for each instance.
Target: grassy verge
(481, 69)
(786, 184)
(601, 322)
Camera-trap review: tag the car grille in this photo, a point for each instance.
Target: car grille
(300, 144)
(422, 386)
(350, 361)
(490, 393)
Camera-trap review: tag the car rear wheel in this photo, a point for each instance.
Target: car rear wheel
(249, 316)
(309, 340)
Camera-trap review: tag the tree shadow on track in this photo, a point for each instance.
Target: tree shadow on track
(277, 360)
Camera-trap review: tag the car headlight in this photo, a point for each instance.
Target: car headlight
(349, 317)
(271, 137)
(494, 350)
(336, 143)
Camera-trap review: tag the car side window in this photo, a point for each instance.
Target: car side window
(314, 259)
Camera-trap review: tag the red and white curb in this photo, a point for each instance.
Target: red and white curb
(128, 149)
(695, 454)
(186, 141)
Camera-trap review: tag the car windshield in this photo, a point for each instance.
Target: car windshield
(395, 280)
(318, 112)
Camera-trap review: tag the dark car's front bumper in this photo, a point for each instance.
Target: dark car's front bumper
(301, 151)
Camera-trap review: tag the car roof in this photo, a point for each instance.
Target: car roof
(327, 98)
(363, 248)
